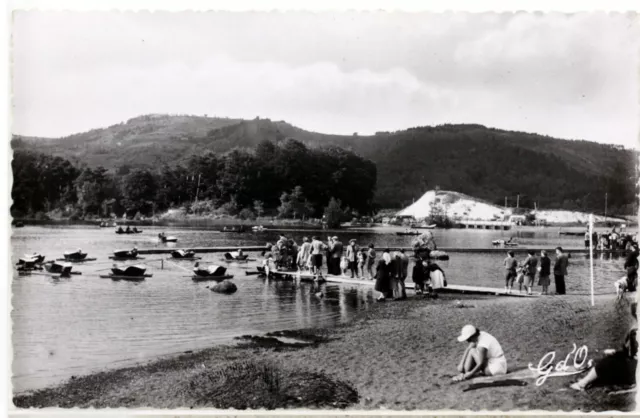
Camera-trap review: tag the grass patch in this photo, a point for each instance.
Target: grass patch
(254, 384)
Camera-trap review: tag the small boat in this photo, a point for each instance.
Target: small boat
(258, 228)
(18, 224)
(211, 272)
(164, 238)
(28, 264)
(77, 255)
(34, 258)
(125, 254)
(132, 273)
(56, 267)
(408, 233)
(240, 228)
(185, 255)
(236, 256)
(128, 231)
(576, 234)
(509, 243)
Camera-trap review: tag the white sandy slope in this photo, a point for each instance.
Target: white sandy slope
(459, 206)
(455, 205)
(568, 216)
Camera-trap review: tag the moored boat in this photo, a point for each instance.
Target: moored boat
(184, 254)
(236, 256)
(76, 255)
(133, 273)
(239, 228)
(56, 267)
(128, 230)
(164, 238)
(211, 272)
(126, 254)
(408, 233)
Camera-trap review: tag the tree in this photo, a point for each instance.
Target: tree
(294, 204)
(258, 207)
(139, 191)
(333, 213)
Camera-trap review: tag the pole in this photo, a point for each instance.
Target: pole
(198, 188)
(505, 202)
(518, 202)
(591, 255)
(605, 207)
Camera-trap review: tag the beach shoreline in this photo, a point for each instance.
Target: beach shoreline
(396, 355)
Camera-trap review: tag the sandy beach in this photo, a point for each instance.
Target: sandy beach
(397, 355)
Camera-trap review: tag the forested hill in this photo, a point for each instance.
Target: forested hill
(482, 162)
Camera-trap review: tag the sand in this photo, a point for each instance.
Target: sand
(398, 355)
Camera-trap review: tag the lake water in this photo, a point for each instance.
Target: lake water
(74, 326)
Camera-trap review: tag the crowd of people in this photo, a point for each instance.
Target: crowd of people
(612, 240)
(524, 273)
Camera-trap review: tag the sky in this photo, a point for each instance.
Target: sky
(569, 76)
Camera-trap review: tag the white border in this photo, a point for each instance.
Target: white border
(231, 5)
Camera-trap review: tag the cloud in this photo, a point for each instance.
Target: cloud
(568, 76)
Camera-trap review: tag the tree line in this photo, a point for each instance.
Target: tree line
(284, 179)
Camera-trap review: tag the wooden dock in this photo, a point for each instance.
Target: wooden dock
(488, 250)
(451, 288)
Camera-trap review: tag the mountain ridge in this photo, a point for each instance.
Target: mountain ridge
(464, 157)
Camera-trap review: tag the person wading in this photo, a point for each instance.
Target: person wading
(560, 271)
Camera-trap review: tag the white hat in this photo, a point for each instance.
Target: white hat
(467, 332)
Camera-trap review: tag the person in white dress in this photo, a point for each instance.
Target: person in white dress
(483, 355)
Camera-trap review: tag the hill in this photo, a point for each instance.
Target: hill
(487, 163)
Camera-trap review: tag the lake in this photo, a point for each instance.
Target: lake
(65, 327)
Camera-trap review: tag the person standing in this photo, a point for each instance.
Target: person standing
(371, 258)
(530, 264)
(544, 272)
(335, 250)
(383, 283)
(418, 276)
(352, 261)
(362, 262)
(403, 272)
(317, 247)
(435, 277)
(560, 271)
(586, 239)
(304, 253)
(510, 266)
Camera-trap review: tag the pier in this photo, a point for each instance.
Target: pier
(486, 225)
(449, 250)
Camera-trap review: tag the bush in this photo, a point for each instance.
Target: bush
(247, 213)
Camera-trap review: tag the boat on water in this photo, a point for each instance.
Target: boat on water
(35, 258)
(238, 228)
(133, 273)
(57, 267)
(509, 243)
(211, 272)
(76, 255)
(133, 230)
(184, 255)
(125, 254)
(236, 256)
(18, 224)
(258, 228)
(164, 238)
(570, 233)
(408, 233)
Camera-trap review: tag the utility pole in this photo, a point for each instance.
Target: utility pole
(505, 202)
(605, 206)
(518, 202)
(198, 187)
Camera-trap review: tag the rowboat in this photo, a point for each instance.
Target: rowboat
(132, 273)
(184, 255)
(131, 231)
(240, 228)
(125, 254)
(571, 233)
(84, 260)
(164, 238)
(236, 256)
(408, 233)
(77, 255)
(56, 267)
